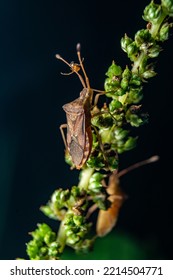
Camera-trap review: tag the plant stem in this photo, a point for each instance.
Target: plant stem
(85, 177)
(137, 66)
(155, 27)
(61, 237)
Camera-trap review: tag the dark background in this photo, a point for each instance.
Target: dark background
(32, 93)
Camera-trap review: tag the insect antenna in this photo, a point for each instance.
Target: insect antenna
(138, 164)
(78, 48)
(74, 69)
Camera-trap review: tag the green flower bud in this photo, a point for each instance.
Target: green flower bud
(95, 187)
(113, 163)
(120, 150)
(68, 220)
(168, 6)
(53, 250)
(95, 162)
(123, 98)
(47, 211)
(78, 220)
(120, 133)
(134, 120)
(84, 229)
(32, 250)
(134, 96)
(49, 237)
(72, 239)
(43, 253)
(56, 196)
(132, 50)
(75, 191)
(114, 91)
(114, 105)
(69, 232)
(124, 84)
(41, 231)
(68, 159)
(144, 48)
(164, 32)
(127, 73)
(149, 74)
(84, 247)
(142, 36)
(37, 249)
(113, 70)
(135, 80)
(119, 92)
(95, 140)
(102, 121)
(106, 122)
(125, 41)
(111, 85)
(118, 121)
(95, 122)
(154, 51)
(57, 200)
(96, 177)
(101, 201)
(130, 143)
(152, 12)
(64, 195)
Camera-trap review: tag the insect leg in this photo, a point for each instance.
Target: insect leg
(91, 210)
(62, 126)
(97, 96)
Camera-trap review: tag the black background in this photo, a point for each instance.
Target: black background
(32, 93)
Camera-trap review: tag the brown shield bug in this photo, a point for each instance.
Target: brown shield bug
(79, 135)
(78, 114)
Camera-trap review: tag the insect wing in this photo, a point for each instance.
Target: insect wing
(107, 219)
(75, 130)
(77, 143)
(79, 136)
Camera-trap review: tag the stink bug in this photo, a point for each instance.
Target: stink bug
(78, 114)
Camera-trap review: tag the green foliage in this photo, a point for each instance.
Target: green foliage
(44, 245)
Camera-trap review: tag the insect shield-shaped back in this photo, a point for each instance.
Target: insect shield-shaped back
(79, 135)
